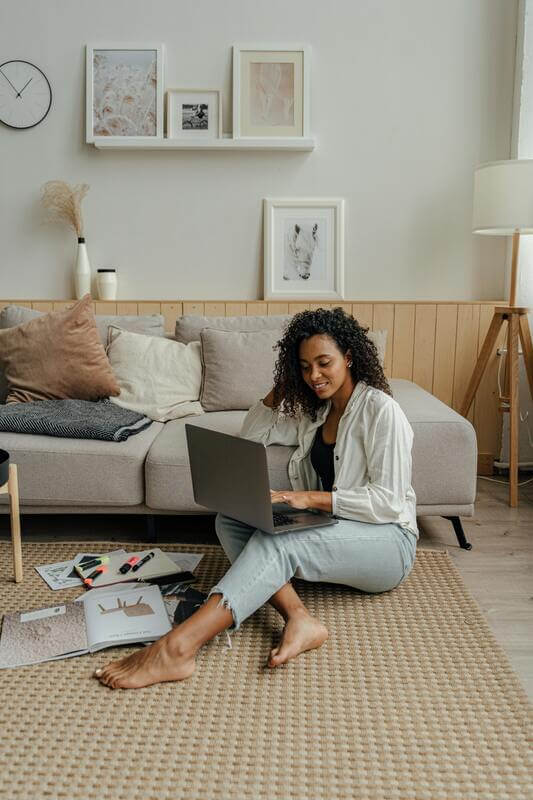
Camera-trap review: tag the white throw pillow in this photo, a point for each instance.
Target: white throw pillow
(158, 377)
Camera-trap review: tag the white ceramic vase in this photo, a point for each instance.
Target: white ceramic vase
(82, 271)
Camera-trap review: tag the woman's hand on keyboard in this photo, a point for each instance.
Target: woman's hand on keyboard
(294, 499)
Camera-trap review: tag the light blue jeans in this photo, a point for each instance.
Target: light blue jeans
(370, 557)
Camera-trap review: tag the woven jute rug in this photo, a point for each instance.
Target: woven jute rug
(411, 697)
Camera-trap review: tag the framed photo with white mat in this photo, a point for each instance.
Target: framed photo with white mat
(271, 90)
(303, 248)
(194, 113)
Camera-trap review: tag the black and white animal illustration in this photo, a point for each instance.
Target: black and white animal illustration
(301, 246)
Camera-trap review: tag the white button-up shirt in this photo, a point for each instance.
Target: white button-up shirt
(372, 455)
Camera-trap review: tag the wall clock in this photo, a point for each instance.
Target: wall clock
(25, 94)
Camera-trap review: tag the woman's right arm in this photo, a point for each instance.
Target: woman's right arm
(267, 425)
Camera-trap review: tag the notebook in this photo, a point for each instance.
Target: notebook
(100, 618)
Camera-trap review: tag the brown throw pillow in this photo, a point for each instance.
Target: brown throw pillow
(57, 355)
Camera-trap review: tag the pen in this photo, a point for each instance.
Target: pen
(128, 564)
(95, 562)
(90, 578)
(143, 561)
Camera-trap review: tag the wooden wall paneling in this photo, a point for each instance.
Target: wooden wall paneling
(150, 307)
(465, 354)
(345, 306)
(364, 314)
(106, 307)
(61, 305)
(424, 345)
(256, 309)
(193, 308)
(384, 320)
(295, 308)
(41, 305)
(215, 309)
(316, 306)
(488, 421)
(403, 342)
(235, 309)
(277, 308)
(444, 362)
(171, 312)
(127, 309)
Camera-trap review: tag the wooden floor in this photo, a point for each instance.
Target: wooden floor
(498, 570)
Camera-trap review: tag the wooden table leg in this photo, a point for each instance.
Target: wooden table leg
(13, 490)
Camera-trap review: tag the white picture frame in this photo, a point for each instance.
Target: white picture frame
(266, 78)
(124, 103)
(303, 248)
(184, 122)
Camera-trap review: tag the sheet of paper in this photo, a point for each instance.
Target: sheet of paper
(187, 562)
(37, 635)
(127, 616)
(53, 574)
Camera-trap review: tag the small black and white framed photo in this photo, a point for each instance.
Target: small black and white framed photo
(124, 91)
(304, 248)
(194, 113)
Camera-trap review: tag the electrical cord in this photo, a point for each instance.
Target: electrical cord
(495, 480)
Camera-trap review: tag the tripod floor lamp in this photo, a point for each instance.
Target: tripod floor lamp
(503, 206)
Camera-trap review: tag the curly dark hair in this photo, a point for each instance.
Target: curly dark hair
(290, 389)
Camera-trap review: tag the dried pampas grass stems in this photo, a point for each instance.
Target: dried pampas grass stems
(63, 203)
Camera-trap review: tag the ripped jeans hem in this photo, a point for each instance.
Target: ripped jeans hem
(224, 602)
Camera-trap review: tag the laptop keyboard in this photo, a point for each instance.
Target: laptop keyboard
(282, 519)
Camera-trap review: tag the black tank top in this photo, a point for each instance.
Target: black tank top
(322, 460)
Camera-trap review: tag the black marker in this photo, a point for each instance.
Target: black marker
(142, 561)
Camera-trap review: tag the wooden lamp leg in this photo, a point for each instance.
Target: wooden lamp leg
(527, 349)
(513, 409)
(13, 490)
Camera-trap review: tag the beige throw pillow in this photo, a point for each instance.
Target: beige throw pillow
(238, 367)
(57, 355)
(158, 377)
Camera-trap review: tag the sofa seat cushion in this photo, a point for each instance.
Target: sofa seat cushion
(79, 472)
(444, 454)
(444, 447)
(168, 476)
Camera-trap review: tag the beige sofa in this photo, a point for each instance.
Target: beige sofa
(149, 473)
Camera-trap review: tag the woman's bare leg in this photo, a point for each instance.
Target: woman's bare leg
(301, 632)
(171, 658)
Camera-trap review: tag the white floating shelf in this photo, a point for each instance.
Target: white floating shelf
(226, 143)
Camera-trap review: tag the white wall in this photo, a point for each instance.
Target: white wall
(407, 97)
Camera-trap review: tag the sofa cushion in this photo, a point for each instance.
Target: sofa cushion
(444, 454)
(189, 326)
(157, 377)
(79, 472)
(57, 355)
(168, 476)
(444, 447)
(150, 324)
(238, 367)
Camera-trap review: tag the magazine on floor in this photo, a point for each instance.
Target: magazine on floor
(125, 614)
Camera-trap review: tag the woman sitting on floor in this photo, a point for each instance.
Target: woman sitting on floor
(353, 458)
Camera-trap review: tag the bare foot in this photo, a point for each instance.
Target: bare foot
(165, 660)
(301, 632)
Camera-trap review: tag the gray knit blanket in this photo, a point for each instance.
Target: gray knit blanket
(73, 419)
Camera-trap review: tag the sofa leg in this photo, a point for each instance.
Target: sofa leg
(151, 530)
(458, 528)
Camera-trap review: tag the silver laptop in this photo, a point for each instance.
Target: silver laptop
(230, 475)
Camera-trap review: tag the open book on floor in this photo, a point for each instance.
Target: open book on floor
(101, 618)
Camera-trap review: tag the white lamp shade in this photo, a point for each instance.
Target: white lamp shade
(503, 197)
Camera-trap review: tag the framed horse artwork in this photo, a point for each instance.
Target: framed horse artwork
(304, 248)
